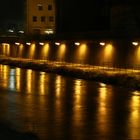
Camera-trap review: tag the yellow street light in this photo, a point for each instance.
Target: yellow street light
(135, 43)
(102, 43)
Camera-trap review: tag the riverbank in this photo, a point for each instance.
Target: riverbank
(121, 77)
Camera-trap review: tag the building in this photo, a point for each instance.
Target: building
(40, 17)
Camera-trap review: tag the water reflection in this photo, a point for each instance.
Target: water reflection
(134, 120)
(42, 83)
(103, 119)
(12, 79)
(18, 78)
(58, 107)
(59, 84)
(78, 99)
(29, 79)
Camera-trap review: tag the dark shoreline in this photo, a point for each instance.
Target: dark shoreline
(88, 72)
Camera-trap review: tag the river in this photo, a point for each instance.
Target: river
(56, 107)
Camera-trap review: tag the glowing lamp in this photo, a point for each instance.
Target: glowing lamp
(57, 43)
(102, 43)
(135, 43)
(77, 43)
(28, 43)
(17, 43)
(41, 43)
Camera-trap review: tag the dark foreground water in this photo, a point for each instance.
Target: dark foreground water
(55, 107)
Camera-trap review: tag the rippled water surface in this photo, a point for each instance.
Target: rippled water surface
(58, 107)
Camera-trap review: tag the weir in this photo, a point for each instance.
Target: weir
(114, 53)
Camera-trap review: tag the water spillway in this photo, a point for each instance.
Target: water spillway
(115, 53)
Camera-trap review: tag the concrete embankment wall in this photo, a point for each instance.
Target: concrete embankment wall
(121, 77)
(116, 53)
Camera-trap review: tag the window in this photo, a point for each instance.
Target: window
(49, 7)
(34, 18)
(40, 7)
(43, 18)
(51, 18)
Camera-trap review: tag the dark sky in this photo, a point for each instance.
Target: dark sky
(73, 15)
(11, 9)
(11, 14)
(80, 16)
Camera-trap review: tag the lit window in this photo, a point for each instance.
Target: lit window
(40, 7)
(49, 7)
(43, 18)
(34, 18)
(51, 18)
(49, 31)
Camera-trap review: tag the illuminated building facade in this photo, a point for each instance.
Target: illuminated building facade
(40, 17)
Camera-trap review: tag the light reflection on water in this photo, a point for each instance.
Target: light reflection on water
(102, 115)
(57, 107)
(134, 119)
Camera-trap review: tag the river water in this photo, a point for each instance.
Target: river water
(55, 107)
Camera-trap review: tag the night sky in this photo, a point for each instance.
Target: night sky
(73, 15)
(11, 9)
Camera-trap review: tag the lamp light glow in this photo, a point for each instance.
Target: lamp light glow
(102, 43)
(77, 43)
(135, 43)
(17, 43)
(57, 43)
(41, 43)
(28, 43)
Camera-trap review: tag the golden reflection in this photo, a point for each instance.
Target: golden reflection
(32, 50)
(61, 51)
(45, 50)
(108, 52)
(102, 98)
(18, 78)
(29, 81)
(59, 89)
(42, 83)
(79, 91)
(135, 115)
(102, 109)
(12, 79)
(58, 85)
